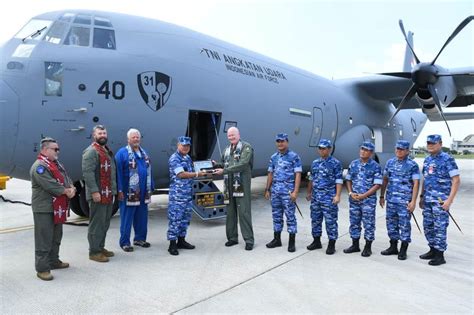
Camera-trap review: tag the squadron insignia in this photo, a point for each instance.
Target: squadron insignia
(155, 88)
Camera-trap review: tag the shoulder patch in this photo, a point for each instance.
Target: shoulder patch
(40, 169)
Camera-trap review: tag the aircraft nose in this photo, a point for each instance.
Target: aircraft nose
(9, 119)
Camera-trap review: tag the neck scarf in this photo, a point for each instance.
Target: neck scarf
(60, 203)
(133, 196)
(238, 190)
(105, 173)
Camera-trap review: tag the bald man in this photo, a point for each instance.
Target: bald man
(237, 169)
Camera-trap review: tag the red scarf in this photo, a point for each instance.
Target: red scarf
(106, 196)
(60, 203)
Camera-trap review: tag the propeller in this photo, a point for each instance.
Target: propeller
(425, 75)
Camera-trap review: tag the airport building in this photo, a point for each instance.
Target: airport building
(467, 144)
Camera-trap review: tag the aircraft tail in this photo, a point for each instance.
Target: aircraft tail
(409, 61)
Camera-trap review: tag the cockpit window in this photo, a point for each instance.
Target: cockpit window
(56, 32)
(104, 38)
(83, 19)
(78, 36)
(53, 74)
(100, 21)
(67, 17)
(34, 29)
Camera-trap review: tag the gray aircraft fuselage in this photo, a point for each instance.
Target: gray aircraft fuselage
(196, 78)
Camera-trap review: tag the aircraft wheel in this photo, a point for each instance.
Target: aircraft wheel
(116, 207)
(80, 206)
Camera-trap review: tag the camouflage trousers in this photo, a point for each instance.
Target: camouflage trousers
(362, 211)
(328, 210)
(281, 203)
(435, 225)
(179, 216)
(398, 222)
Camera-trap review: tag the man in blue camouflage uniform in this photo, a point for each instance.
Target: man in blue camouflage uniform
(180, 195)
(401, 179)
(363, 180)
(284, 177)
(440, 185)
(324, 191)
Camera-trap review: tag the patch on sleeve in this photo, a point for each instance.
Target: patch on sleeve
(40, 169)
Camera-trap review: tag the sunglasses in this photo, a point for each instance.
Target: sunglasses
(55, 149)
(429, 142)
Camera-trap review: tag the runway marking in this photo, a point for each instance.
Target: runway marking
(29, 227)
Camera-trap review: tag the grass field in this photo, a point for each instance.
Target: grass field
(456, 156)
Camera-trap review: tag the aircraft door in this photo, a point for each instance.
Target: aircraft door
(203, 128)
(317, 127)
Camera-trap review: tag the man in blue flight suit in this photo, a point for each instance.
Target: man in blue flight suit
(324, 191)
(135, 187)
(440, 185)
(363, 180)
(401, 179)
(284, 177)
(180, 195)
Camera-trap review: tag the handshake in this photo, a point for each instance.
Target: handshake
(70, 192)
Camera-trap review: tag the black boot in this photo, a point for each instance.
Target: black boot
(183, 244)
(367, 249)
(392, 250)
(438, 259)
(403, 251)
(173, 249)
(291, 243)
(428, 255)
(331, 247)
(316, 244)
(354, 247)
(276, 241)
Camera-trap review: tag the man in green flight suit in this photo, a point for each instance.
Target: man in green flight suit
(51, 188)
(98, 171)
(237, 170)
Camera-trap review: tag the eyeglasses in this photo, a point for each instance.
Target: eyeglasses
(321, 148)
(429, 142)
(55, 149)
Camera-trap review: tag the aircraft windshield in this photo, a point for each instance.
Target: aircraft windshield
(35, 29)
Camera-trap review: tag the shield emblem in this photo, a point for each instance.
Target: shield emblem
(155, 88)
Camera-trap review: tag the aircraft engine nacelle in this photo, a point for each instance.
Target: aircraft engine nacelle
(445, 89)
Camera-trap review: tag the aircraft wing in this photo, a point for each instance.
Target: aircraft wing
(382, 88)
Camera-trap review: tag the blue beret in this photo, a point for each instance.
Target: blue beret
(184, 140)
(281, 136)
(434, 138)
(368, 146)
(325, 143)
(403, 144)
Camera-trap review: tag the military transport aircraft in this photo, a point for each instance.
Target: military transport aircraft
(66, 71)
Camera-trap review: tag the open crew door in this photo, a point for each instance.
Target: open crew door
(203, 128)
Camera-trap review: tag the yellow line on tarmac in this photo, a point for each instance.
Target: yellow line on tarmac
(29, 227)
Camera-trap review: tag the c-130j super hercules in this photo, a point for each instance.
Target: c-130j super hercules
(67, 71)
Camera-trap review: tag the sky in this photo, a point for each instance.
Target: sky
(334, 39)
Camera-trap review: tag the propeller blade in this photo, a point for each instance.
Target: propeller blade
(456, 31)
(400, 22)
(406, 75)
(454, 74)
(405, 99)
(433, 93)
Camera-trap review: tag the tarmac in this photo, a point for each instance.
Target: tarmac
(216, 279)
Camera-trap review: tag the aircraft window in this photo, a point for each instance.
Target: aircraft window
(104, 38)
(32, 28)
(100, 21)
(83, 19)
(56, 32)
(53, 73)
(78, 36)
(67, 17)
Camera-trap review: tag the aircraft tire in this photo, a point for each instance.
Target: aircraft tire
(80, 206)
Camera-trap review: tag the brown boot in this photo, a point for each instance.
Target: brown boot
(107, 253)
(46, 276)
(59, 265)
(98, 257)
